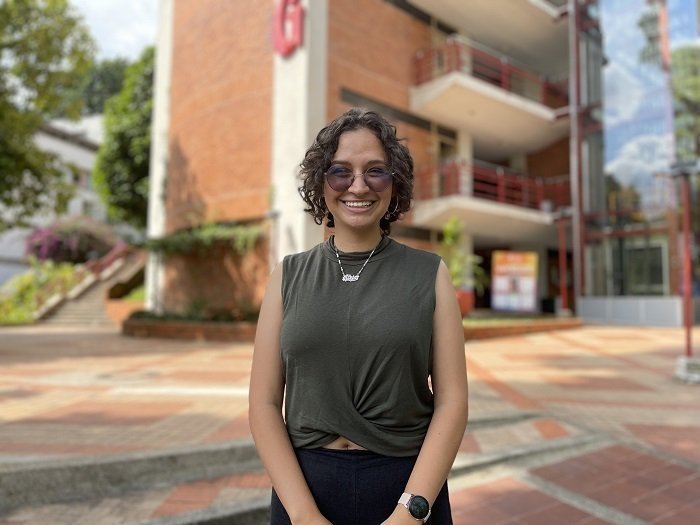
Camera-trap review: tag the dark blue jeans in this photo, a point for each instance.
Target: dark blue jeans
(357, 487)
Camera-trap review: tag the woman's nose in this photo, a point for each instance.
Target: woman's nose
(360, 186)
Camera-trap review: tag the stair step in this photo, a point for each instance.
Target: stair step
(89, 307)
(225, 483)
(33, 483)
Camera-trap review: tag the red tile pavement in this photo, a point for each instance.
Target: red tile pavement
(594, 383)
(109, 413)
(509, 501)
(469, 444)
(232, 430)
(197, 495)
(511, 395)
(634, 482)
(683, 441)
(84, 392)
(550, 429)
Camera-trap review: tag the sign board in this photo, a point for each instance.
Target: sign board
(514, 281)
(288, 27)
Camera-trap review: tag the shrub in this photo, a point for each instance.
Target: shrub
(25, 293)
(74, 240)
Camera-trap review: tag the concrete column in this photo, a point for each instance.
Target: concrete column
(465, 154)
(155, 275)
(299, 112)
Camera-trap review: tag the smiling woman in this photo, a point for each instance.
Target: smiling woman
(360, 339)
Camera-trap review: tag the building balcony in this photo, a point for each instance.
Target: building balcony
(495, 183)
(534, 32)
(496, 204)
(506, 108)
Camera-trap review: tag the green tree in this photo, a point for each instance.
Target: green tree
(121, 171)
(685, 62)
(103, 81)
(45, 50)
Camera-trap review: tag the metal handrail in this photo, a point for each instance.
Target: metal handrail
(495, 183)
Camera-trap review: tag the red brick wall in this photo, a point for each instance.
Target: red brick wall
(551, 161)
(217, 280)
(220, 115)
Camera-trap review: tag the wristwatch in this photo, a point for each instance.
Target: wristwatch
(417, 506)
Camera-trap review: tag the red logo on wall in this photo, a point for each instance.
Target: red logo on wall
(288, 28)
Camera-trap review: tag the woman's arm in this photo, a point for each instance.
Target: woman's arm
(449, 381)
(265, 412)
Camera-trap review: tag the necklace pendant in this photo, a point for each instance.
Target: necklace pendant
(350, 278)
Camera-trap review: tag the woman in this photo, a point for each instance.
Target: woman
(362, 339)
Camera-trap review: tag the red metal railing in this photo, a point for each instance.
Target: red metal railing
(494, 183)
(497, 70)
(119, 250)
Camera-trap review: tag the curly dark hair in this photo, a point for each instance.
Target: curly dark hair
(319, 157)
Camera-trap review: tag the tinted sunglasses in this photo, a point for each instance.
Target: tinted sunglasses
(377, 178)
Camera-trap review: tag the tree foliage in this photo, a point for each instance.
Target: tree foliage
(45, 50)
(121, 170)
(104, 80)
(686, 93)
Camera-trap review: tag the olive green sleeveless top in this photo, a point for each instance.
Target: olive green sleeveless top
(357, 355)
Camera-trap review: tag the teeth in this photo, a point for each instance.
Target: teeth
(358, 204)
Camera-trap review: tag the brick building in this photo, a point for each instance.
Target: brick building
(484, 92)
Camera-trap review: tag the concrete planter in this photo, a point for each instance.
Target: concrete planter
(504, 330)
(243, 331)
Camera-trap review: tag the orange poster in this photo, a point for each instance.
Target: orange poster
(514, 281)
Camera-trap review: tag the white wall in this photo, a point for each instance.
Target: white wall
(642, 311)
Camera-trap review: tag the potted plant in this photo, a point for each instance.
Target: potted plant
(465, 268)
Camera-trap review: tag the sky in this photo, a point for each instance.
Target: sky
(121, 28)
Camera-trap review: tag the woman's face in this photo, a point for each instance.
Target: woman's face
(359, 207)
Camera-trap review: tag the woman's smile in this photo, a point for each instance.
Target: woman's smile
(358, 205)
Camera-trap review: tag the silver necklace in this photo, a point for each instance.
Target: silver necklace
(349, 278)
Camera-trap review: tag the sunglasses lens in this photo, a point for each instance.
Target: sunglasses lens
(378, 179)
(340, 178)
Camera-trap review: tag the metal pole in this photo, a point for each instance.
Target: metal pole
(687, 263)
(563, 290)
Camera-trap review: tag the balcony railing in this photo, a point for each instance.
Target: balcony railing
(494, 183)
(456, 55)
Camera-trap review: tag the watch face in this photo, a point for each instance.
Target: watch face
(418, 507)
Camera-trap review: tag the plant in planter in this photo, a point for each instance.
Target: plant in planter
(465, 269)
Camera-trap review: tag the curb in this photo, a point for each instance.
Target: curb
(502, 418)
(250, 512)
(23, 484)
(469, 465)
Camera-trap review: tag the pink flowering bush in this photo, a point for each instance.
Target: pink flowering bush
(74, 240)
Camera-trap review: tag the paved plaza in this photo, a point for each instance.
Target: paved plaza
(578, 426)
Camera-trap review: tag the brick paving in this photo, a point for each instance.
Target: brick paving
(67, 392)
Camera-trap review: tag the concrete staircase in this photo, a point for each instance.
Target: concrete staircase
(86, 310)
(88, 307)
